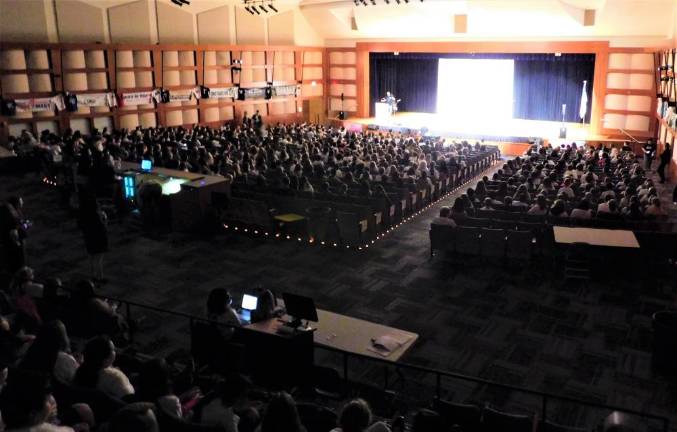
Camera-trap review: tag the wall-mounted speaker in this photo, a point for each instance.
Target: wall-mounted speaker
(460, 23)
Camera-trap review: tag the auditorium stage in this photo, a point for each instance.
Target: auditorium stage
(514, 130)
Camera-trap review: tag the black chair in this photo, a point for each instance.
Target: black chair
(492, 243)
(467, 241)
(520, 245)
(554, 427)
(210, 350)
(494, 420)
(466, 416)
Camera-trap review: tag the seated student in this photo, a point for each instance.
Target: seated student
(154, 385)
(220, 309)
(97, 371)
(281, 415)
(218, 408)
(443, 218)
(654, 209)
(27, 405)
(488, 204)
(265, 307)
(50, 353)
(558, 209)
(540, 208)
(356, 417)
(607, 208)
(582, 210)
(521, 203)
(137, 417)
(566, 189)
(89, 316)
(458, 209)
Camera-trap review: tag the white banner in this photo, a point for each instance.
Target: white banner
(184, 96)
(222, 92)
(254, 93)
(96, 100)
(35, 105)
(285, 90)
(136, 98)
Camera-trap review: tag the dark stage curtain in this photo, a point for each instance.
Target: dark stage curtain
(409, 77)
(542, 83)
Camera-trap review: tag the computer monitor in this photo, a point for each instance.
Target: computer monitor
(146, 165)
(299, 308)
(249, 302)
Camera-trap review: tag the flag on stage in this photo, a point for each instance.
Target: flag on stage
(583, 110)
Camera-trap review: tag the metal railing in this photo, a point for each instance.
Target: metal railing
(546, 398)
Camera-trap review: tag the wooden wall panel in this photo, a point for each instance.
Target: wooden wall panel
(213, 26)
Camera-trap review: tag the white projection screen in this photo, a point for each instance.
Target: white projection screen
(474, 89)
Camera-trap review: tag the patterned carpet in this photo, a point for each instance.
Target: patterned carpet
(520, 326)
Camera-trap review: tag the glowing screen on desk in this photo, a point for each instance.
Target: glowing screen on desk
(146, 165)
(172, 186)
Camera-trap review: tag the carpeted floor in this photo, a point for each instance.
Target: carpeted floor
(520, 326)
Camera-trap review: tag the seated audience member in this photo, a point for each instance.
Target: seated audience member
(356, 417)
(24, 281)
(220, 309)
(458, 209)
(250, 420)
(51, 353)
(608, 209)
(89, 316)
(654, 209)
(51, 305)
(265, 307)
(488, 204)
(566, 189)
(137, 417)
(97, 371)
(558, 209)
(154, 385)
(27, 405)
(521, 204)
(443, 218)
(281, 415)
(582, 210)
(540, 208)
(13, 342)
(218, 408)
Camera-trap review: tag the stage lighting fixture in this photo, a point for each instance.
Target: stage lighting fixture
(263, 8)
(398, 1)
(272, 7)
(387, 2)
(177, 2)
(256, 10)
(373, 2)
(363, 2)
(248, 9)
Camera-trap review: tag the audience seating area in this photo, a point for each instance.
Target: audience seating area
(557, 187)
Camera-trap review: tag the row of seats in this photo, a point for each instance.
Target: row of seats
(360, 220)
(473, 418)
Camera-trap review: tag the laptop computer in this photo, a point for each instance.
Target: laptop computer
(249, 303)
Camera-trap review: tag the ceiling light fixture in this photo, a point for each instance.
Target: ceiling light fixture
(373, 2)
(177, 2)
(272, 7)
(256, 10)
(387, 2)
(263, 8)
(248, 9)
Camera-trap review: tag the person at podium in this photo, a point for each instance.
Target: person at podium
(391, 101)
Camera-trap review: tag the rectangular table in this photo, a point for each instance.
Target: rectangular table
(348, 334)
(596, 237)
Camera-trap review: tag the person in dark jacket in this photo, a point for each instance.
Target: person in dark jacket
(92, 221)
(665, 157)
